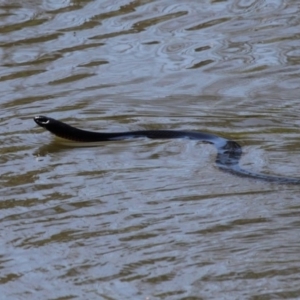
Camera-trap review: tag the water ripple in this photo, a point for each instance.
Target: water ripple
(149, 219)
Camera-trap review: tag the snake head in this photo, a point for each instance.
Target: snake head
(41, 120)
(64, 130)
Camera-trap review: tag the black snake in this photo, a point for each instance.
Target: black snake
(228, 152)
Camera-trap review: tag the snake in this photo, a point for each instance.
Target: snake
(228, 155)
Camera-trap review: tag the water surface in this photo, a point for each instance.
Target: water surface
(148, 219)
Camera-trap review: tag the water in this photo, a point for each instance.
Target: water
(148, 219)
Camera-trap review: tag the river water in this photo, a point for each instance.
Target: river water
(147, 219)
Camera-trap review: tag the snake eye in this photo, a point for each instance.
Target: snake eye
(41, 120)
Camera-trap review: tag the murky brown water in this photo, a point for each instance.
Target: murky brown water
(149, 219)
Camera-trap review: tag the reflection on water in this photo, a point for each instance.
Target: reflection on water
(149, 219)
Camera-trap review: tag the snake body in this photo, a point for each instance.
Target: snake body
(228, 152)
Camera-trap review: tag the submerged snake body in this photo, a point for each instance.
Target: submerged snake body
(228, 152)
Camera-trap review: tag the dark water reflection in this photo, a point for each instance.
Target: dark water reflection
(149, 219)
